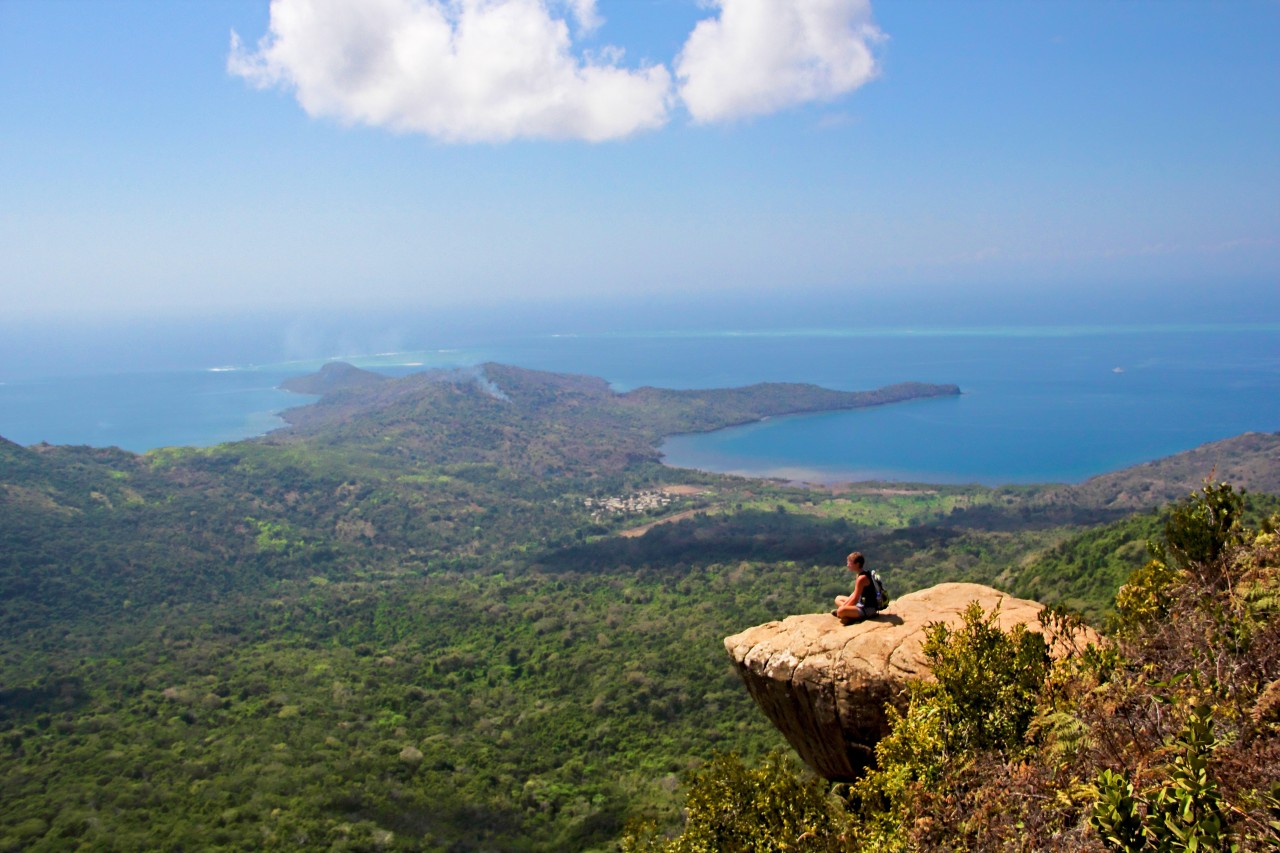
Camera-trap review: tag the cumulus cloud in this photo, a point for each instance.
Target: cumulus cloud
(496, 70)
(457, 70)
(760, 56)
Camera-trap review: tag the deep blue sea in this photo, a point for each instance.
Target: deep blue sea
(1039, 404)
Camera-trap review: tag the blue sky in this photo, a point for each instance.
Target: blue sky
(988, 150)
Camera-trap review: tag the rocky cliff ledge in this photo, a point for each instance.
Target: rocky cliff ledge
(825, 684)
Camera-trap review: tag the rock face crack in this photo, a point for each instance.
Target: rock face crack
(825, 685)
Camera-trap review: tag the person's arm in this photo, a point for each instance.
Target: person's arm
(850, 608)
(860, 587)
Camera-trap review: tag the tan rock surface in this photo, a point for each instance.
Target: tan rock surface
(825, 684)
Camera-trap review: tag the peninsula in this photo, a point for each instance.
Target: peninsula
(545, 422)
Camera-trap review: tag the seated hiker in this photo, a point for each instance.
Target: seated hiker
(862, 603)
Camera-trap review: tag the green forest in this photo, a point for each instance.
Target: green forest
(473, 611)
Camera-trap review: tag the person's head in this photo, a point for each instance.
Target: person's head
(855, 561)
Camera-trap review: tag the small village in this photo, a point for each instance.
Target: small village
(646, 501)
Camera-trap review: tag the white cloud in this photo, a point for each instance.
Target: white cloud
(457, 70)
(760, 56)
(496, 70)
(584, 11)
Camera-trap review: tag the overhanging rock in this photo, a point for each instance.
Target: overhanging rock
(825, 684)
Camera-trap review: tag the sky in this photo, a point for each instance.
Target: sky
(234, 157)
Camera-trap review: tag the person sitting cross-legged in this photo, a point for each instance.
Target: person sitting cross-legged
(862, 603)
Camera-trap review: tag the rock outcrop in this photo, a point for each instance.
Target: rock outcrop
(825, 684)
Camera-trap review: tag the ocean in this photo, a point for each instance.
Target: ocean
(1038, 403)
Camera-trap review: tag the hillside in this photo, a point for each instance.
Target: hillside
(1025, 736)
(1250, 461)
(408, 620)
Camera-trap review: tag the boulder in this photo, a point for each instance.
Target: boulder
(825, 684)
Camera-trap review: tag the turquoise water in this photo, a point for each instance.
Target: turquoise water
(1039, 403)
(141, 411)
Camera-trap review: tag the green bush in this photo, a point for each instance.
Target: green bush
(983, 700)
(733, 808)
(1200, 530)
(1182, 814)
(987, 680)
(1148, 595)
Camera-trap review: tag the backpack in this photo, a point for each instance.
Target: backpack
(882, 594)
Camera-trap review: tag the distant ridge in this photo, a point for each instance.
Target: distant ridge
(1250, 461)
(15, 458)
(334, 376)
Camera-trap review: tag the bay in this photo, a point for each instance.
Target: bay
(1039, 404)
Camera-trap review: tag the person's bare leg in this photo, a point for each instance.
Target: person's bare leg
(848, 610)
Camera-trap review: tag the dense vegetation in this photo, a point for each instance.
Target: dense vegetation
(1166, 739)
(410, 622)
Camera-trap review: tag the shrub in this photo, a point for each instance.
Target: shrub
(1199, 533)
(1148, 595)
(733, 808)
(970, 720)
(987, 680)
(1184, 813)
